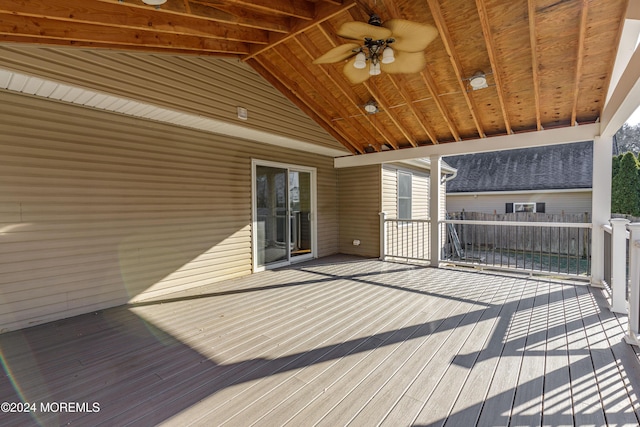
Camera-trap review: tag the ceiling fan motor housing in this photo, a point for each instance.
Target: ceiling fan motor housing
(375, 20)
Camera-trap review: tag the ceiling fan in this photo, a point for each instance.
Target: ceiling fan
(395, 47)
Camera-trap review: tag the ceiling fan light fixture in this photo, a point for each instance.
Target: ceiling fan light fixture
(154, 2)
(478, 81)
(374, 69)
(387, 55)
(361, 61)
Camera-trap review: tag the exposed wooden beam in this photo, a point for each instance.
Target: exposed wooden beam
(105, 36)
(10, 38)
(123, 15)
(385, 105)
(579, 60)
(300, 9)
(455, 62)
(493, 59)
(399, 83)
(433, 91)
(230, 14)
(294, 62)
(311, 110)
(325, 11)
(534, 60)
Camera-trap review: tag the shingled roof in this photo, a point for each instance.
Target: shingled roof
(566, 166)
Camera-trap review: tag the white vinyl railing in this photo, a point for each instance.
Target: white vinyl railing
(554, 248)
(561, 249)
(404, 239)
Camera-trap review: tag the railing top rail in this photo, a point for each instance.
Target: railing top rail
(407, 220)
(607, 228)
(521, 223)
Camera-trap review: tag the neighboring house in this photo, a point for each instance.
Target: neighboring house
(554, 179)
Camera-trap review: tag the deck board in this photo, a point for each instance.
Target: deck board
(337, 341)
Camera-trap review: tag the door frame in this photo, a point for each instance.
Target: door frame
(254, 213)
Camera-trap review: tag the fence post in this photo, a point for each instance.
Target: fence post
(634, 279)
(619, 265)
(383, 236)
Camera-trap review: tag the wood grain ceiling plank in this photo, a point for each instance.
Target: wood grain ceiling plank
(386, 107)
(287, 88)
(533, 37)
(107, 36)
(10, 38)
(300, 9)
(495, 66)
(325, 11)
(395, 12)
(422, 121)
(455, 62)
(337, 79)
(580, 56)
(293, 62)
(122, 15)
(444, 112)
(234, 14)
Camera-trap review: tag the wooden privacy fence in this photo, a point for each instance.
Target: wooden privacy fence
(553, 240)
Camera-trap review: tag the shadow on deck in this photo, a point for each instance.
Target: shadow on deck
(335, 341)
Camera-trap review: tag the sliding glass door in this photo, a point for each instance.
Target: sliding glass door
(284, 198)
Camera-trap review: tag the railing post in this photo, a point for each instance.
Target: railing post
(634, 279)
(619, 265)
(383, 236)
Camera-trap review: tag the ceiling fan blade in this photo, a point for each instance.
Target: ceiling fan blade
(355, 75)
(405, 63)
(337, 54)
(360, 30)
(410, 36)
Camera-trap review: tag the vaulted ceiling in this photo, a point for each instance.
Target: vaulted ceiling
(548, 63)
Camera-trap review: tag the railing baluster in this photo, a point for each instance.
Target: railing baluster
(634, 276)
(525, 246)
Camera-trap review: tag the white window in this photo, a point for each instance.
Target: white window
(538, 207)
(524, 207)
(404, 195)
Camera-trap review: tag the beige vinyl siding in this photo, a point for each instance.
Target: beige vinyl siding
(569, 202)
(99, 209)
(359, 207)
(419, 191)
(390, 191)
(408, 239)
(202, 85)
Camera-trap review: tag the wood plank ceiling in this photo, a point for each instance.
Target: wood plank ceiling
(548, 62)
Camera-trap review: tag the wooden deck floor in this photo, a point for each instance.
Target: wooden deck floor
(336, 342)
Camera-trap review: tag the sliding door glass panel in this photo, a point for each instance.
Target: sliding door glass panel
(300, 209)
(271, 211)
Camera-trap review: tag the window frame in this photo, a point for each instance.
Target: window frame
(409, 198)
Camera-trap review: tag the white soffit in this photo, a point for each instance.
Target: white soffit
(17, 82)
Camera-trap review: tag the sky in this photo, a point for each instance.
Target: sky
(635, 118)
